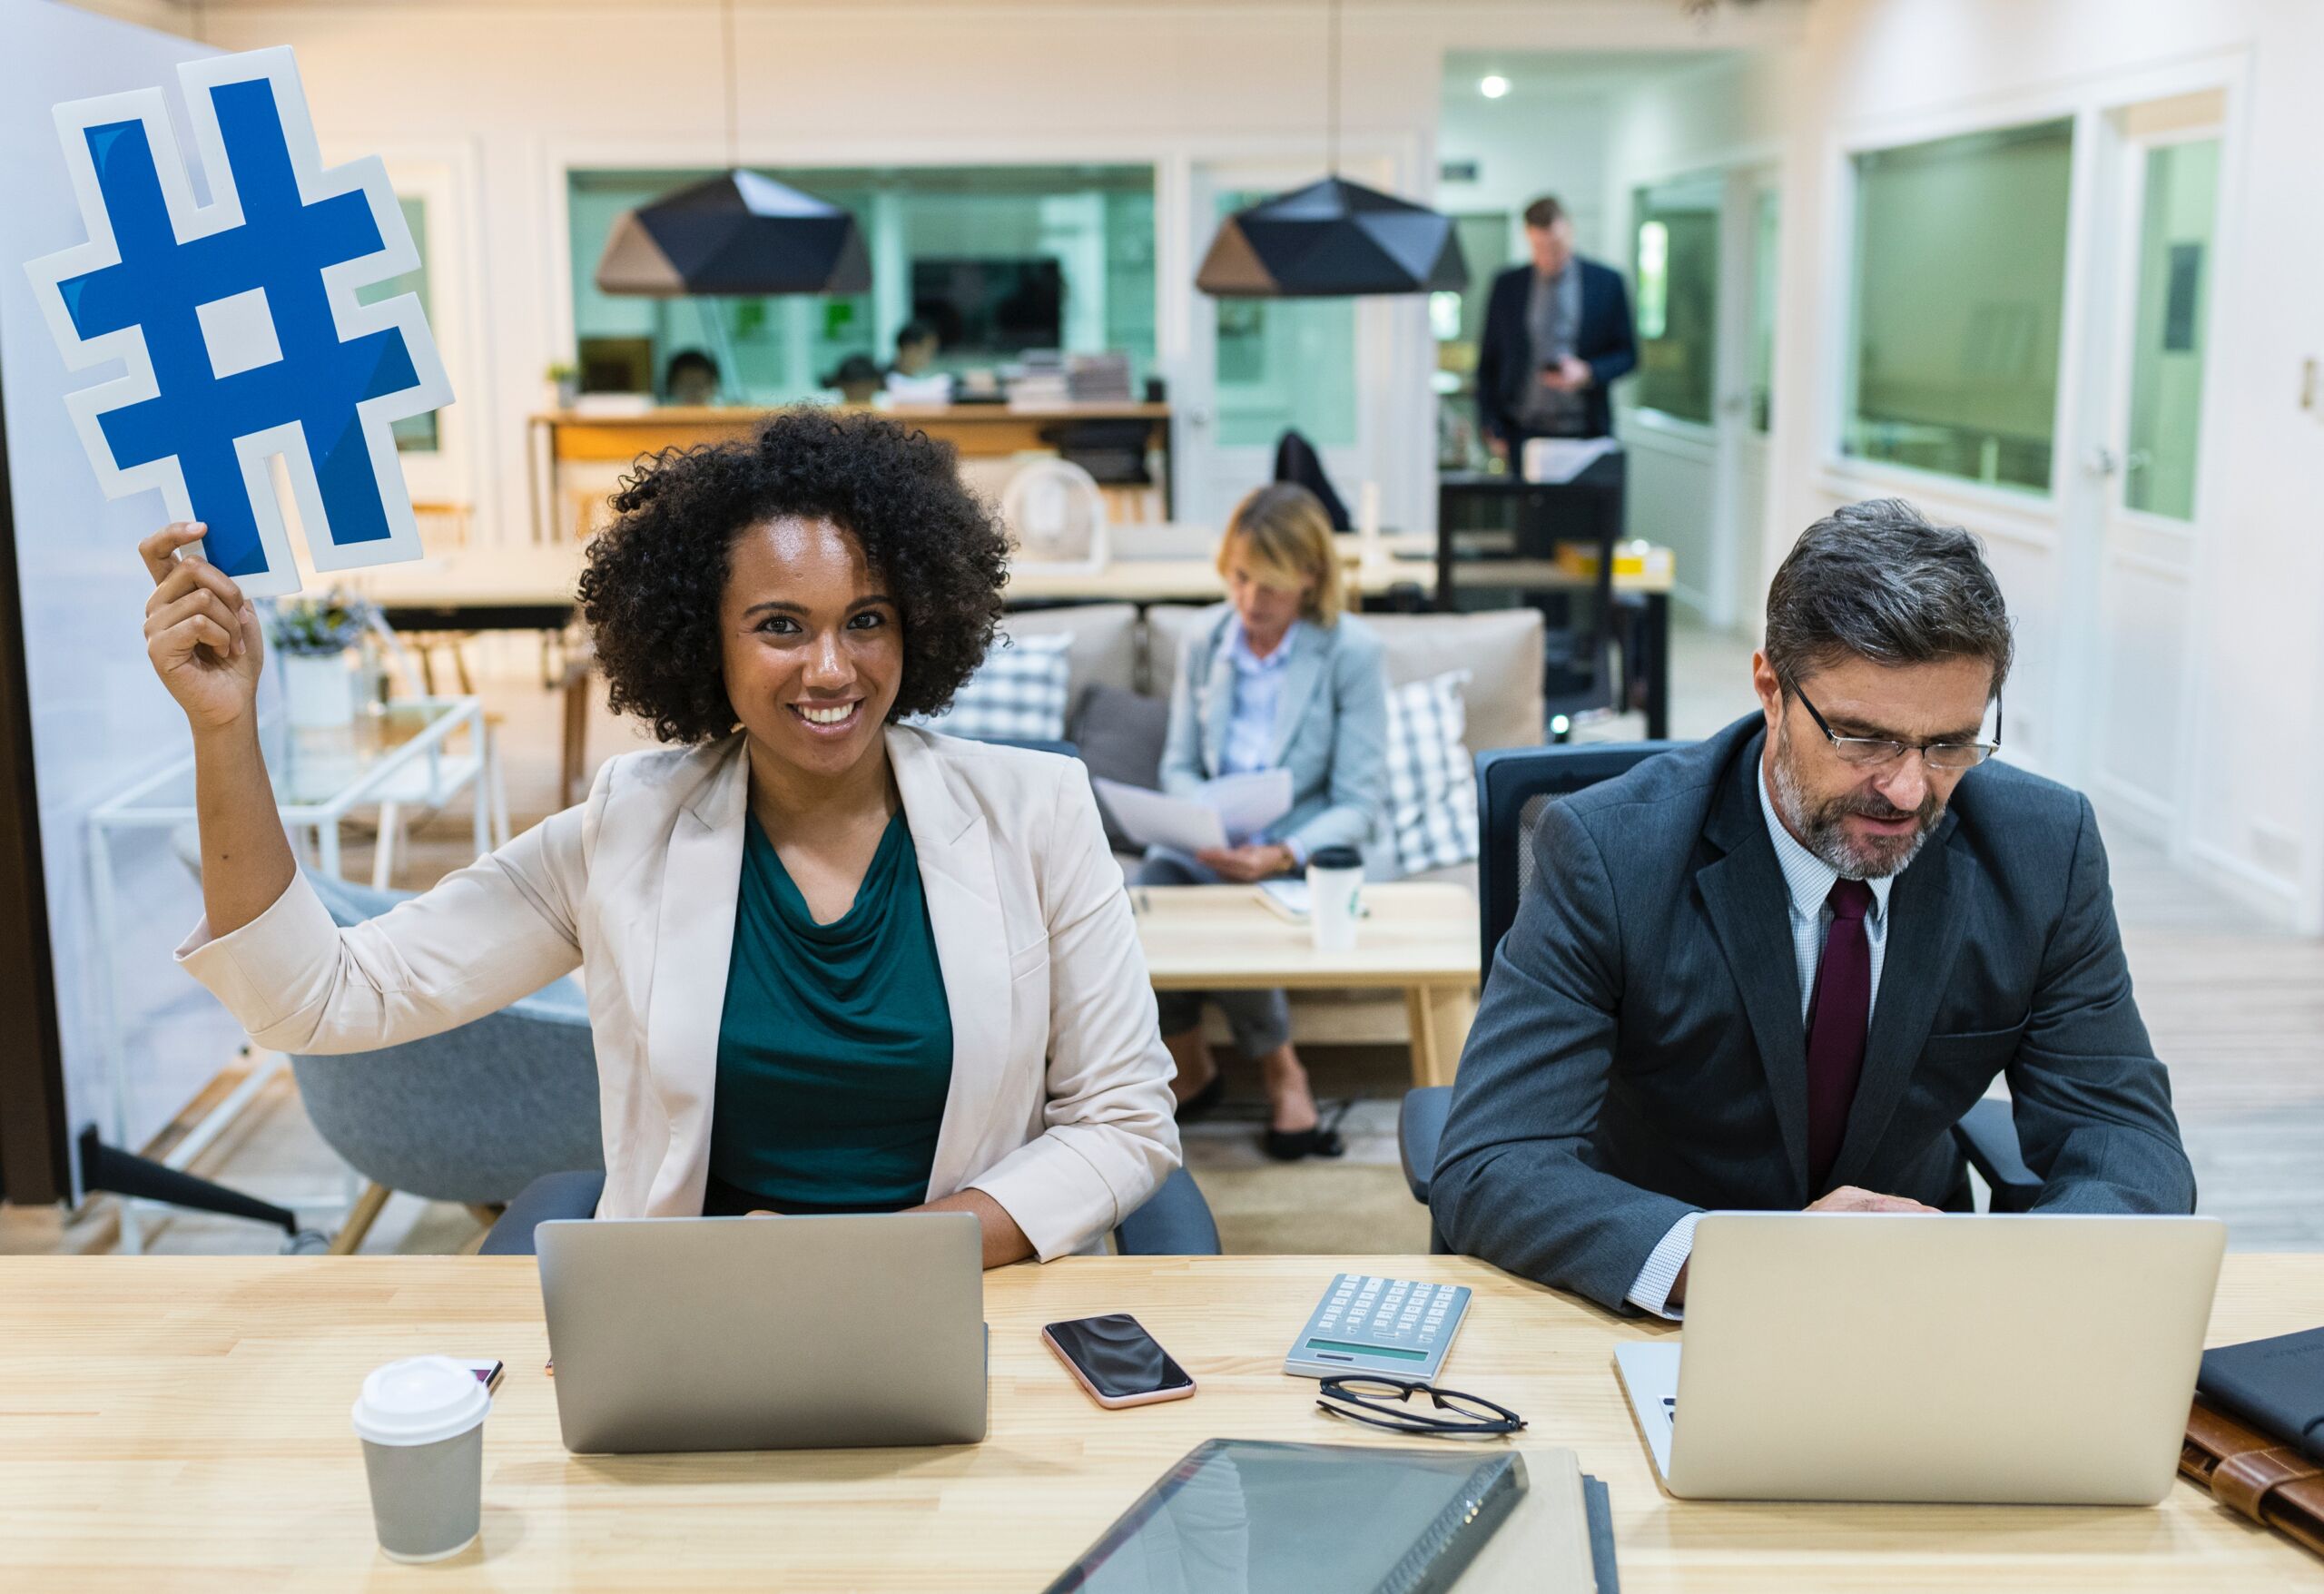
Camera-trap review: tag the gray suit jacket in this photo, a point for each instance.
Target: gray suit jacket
(1331, 729)
(1639, 1053)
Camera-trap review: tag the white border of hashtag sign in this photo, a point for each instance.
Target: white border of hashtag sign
(190, 220)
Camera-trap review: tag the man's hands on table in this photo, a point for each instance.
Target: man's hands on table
(1846, 1198)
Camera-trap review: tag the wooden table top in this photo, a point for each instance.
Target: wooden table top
(181, 1423)
(1224, 938)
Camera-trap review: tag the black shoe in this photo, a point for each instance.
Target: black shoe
(1203, 1100)
(1292, 1145)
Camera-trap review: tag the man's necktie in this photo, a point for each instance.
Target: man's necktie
(1836, 1025)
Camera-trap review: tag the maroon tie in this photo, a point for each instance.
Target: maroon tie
(1837, 1016)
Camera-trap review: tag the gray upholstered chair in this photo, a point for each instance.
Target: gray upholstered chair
(473, 1115)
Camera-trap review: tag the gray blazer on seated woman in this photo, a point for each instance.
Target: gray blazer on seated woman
(834, 963)
(1279, 676)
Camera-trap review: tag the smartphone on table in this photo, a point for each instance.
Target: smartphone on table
(1117, 1362)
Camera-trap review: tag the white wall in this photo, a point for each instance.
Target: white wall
(1893, 71)
(1717, 119)
(1536, 139)
(506, 94)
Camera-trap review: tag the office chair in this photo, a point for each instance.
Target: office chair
(1513, 785)
(1298, 462)
(473, 1115)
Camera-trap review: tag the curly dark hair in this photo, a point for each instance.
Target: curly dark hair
(655, 577)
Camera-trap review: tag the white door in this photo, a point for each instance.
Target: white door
(1258, 367)
(1746, 374)
(1667, 413)
(2163, 235)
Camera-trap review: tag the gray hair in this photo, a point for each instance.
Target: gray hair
(1876, 580)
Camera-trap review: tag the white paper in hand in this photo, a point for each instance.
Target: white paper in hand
(1248, 804)
(1153, 820)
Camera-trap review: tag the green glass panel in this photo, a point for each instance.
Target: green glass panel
(2169, 334)
(1765, 226)
(1959, 291)
(1283, 363)
(414, 434)
(1095, 223)
(1677, 298)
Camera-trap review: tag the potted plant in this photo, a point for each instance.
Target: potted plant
(565, 380)
(312, 636)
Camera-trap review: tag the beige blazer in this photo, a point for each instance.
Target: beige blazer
(1060, 1104)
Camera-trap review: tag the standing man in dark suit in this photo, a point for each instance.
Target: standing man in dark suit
(1771, 970)
(1557, 334)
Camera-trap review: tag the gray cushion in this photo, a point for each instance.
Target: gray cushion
(1120, 736)
(1500, 648)
(1167, 628)
(1104, 651)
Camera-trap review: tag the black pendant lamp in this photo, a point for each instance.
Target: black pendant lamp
(734, 234)
(1333, 239)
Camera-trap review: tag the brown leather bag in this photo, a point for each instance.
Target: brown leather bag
(2272, 1483)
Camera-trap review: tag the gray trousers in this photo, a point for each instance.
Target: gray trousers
(1260, 1019)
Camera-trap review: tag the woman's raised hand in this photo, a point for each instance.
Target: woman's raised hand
(202, 633)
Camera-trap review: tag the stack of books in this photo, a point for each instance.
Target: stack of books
(1040, 383)
(1098, 379)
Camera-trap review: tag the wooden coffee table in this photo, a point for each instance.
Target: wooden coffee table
(1419, 937)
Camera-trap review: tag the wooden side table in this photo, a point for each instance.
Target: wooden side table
(1418, 937)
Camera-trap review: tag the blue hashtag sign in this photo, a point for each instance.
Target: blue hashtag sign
(238, 321)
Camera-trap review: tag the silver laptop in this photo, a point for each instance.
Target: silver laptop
(766, 1334)
(2014, 1360)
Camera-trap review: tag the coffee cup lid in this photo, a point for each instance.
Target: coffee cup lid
(1335, 857)
(419, 1401)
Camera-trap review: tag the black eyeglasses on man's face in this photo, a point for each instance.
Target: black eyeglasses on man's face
(1384, 1403)
(1879, 752)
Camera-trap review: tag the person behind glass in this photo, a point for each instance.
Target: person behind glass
(856, 379)
(834, 963)
(691, 379)
(916, 347)
(1277, 676)
(1557, 334)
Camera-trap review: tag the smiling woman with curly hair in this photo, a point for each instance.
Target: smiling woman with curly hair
(835, 963)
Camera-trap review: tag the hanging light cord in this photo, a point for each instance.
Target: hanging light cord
(1332, 145)
(733, 139)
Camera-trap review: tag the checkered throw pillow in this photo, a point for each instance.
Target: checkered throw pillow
(1431, 780)
(1018, 694)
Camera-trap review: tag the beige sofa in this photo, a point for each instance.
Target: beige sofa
(1113, 645)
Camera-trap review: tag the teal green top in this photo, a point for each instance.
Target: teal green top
(835, 1047)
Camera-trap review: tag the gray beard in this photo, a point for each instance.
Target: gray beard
(1819, 829)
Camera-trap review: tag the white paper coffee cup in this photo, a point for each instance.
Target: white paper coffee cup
(1334, 892)
(421, 1421)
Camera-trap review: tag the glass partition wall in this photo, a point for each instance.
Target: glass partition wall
(1959, 296)
(999, 259)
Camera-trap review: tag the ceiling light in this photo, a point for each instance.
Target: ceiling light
(1492, 85)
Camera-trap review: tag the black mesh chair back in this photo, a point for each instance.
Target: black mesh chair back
(1514, 785)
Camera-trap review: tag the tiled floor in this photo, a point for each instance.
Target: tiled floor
(2235, 1007)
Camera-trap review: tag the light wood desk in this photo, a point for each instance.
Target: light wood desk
(978, 431)
(181, 1423)
(530, 586)
(1421, 938)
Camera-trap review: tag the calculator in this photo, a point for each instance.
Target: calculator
(1393, 1326)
